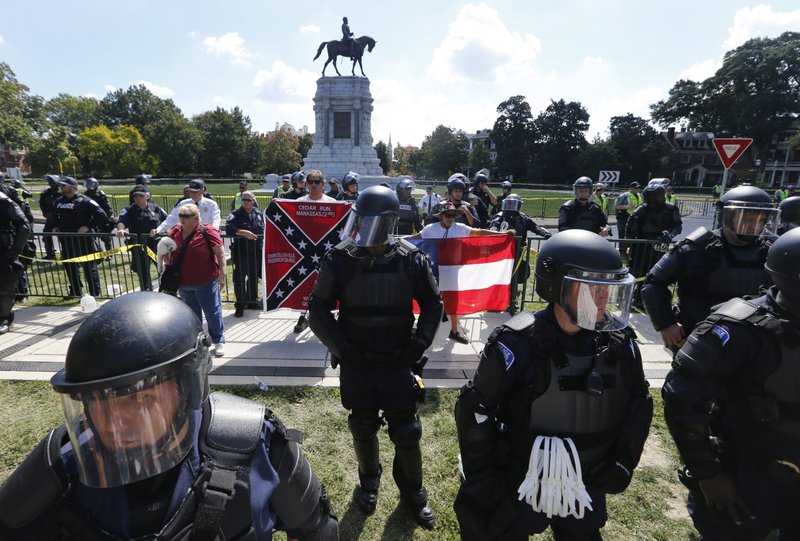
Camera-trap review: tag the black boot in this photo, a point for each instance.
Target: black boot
(302, 324)
(417, 503)
(367, 492)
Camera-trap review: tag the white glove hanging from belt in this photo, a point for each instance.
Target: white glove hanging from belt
(553, 484)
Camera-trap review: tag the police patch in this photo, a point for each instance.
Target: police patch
(508, 355)
(722, 333)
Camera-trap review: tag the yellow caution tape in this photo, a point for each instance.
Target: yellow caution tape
(95, 256)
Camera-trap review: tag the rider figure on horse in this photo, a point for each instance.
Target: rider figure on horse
(347, 36)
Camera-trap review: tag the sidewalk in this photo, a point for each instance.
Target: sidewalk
(263, 346)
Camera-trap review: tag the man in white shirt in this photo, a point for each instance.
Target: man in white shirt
(428, 202)
(315, 184)
(209, 210)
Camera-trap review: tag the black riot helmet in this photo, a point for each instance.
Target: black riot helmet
(349, 179)
(373, 217)
(582, 182)
(91, 184)
(144, 180)
(655, 195)
(404, 188)
(457, 181)
(749, 212)
(297, 177)
(481, 177)
(790, 213)
(506, 185)
(512, 203)
(783, 265)
(582, 272)
(134, 380)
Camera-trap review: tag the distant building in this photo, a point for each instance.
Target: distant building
(12, 162)
(288, 127)
(483, 137)
(783, 163)
(693, 159)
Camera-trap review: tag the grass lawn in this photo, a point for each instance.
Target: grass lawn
(651, 509)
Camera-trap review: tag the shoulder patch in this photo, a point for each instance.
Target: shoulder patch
(230, 217)
(508, 355)
(722, 333)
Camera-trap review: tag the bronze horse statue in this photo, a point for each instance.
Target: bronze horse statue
(338, 48)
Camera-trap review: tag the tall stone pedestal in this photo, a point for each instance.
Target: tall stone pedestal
(342, 140)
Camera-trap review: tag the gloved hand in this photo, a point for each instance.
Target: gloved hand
(610, 477)
(409, 354)
(720, 493)
(665, 236)
(484, 506)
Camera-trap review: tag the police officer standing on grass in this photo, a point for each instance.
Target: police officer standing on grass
(487, 199)
(350, 187)
(14, 232)
(47, 200)
(298, 190)
(141, 180)
(711, 267)
(209, 210)
(744, 475)
(573, 372)
(457, 186)
(408, 221)
(600, 197)
(245, 224)
(76, 213)
(374, 277)
(511, 218)
(93, 192)
(140, 219)
(28, 252)
(582, 212)
(790, 214)
(146, 452)
(506, 189)
(624, 206)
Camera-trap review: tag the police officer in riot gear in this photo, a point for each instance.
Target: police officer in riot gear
(147, 452)
(510, 218)
(349, 187)
(506, 189)
(487, 199)
(14, 232)
(457, 186)
(93, 192)
(374, 277)
(408, 221)
(790, 214)
(76, 213)
(20, 196)
(654, 220)
(744, 475)
(572, 370)
(582, 212)
(298, 186)
(139, 219)
(711, 267)
(47, 201)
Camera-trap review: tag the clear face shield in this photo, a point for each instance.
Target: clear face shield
(513, 205)
(135, 431)
(598, 301)
(368, 230)
(747, 220)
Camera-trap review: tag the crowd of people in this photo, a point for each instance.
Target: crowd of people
(147, 450)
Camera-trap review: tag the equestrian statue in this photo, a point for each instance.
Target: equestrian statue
(348, 47)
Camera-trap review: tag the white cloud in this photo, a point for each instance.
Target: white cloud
(479, 47)
(637, 103)
(284, 83)
(593, 60)
(218, 99)
(109, 88)
(191, 34)
(160, 91)
(2, 39)
(760, 21)
(701, 71)
(230, 45)
(309, 29)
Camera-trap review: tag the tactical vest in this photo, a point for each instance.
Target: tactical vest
(773, 409)
(218, 501)
(585, 217)
(408, 212)
(376, 303)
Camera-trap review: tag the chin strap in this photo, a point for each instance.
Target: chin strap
(553, 484)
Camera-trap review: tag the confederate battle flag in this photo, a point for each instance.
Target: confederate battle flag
(297, 236)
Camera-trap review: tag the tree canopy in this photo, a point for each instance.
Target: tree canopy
(443, 152)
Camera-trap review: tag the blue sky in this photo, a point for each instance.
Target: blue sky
(436, 62)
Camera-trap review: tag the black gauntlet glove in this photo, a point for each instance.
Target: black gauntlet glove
(665, 236)
(410, 353)
(610, 477)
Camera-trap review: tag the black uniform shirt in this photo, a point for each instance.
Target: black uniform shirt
(79, 211)
(142, 220)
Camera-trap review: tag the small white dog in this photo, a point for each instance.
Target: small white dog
(165, 246)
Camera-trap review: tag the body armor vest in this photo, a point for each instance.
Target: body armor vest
(376, 304)
(585, 217)
(408, 212)
(585, 400)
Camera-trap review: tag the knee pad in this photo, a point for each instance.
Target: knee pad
(363, 428)
(297, 497)
(405, 429)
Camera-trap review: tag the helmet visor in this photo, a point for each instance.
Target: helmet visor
(512, 205)
(598, 301)
(133, 432)
(368, 230)
(750, 221)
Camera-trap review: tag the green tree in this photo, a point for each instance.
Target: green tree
(383, 155)
(479, 157)
(281, 152)
(121, 152)
(49, 153)
(75, 112)
(305, 144)
(560, 135)
(597, 156)
(443, 151)
(21, 113)
(405, 158)
(513, 134)
(176, 142)
(638, 144)
(756, 93)
(226, 146)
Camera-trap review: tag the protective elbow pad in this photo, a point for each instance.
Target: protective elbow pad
(296, 498)
(699, 355)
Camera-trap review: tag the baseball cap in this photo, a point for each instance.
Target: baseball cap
(69, 181)
(196, 185)
(633, 185)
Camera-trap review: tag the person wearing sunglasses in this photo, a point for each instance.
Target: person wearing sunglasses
(315, 184)
(245, 224)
